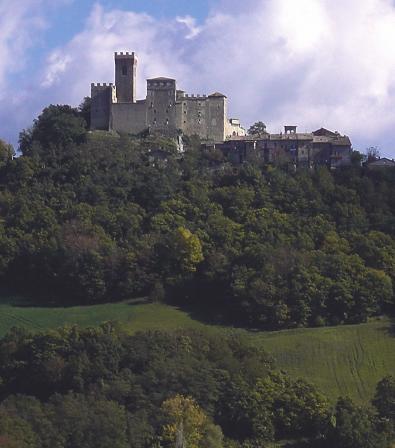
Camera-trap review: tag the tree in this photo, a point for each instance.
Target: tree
(85, 110)
(57, 126)
(384, 399)
(355, 427)
(6, 153)
(186, 425)
(188, 249)
(258, 128)
(372, 153)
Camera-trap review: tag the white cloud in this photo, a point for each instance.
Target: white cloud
(19, 21)
(191, 26)
(305, 62)
(58, 64)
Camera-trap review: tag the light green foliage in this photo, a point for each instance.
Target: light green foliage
(187, 425)
(188, 248)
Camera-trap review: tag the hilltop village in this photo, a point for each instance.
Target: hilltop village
(173, 113)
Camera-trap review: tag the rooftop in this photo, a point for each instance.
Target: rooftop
(161, 78)
(217, 94)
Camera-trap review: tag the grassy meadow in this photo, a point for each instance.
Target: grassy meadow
(347, 360)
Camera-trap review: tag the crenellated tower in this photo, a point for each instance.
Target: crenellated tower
(125, 77)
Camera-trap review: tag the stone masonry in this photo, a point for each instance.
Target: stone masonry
(165, 110)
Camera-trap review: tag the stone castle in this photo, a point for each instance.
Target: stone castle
(170, 112)
(165, 110)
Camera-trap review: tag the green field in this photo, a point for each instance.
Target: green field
(347, 360)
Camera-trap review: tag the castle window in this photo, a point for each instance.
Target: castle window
(124, 70)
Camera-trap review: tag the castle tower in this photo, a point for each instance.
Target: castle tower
(125, 77)
(161, 105)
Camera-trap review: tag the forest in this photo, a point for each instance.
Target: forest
(93, 217)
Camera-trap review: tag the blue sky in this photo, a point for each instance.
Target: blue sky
(307, 62)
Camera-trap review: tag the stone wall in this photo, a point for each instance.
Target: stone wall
(164, 111)
(161, 106)
(217, 121)
(129, 117)
(103, 96)
(192, 115)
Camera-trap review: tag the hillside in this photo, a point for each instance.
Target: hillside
(94, 218)
(340, 361)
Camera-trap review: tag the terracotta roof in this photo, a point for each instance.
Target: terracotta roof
(292, 136)
(324, 132)
(337, 140)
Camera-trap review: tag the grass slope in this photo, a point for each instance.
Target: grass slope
(347, 360)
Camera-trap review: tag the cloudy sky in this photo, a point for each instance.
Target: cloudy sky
(311, 63)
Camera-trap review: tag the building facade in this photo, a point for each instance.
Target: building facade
(321, 147)
(165, 110)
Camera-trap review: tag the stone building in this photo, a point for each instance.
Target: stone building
(165, 110)
(321, 147)
(381, 163)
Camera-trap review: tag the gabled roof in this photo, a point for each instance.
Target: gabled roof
(217, 95)
(382, 162)
(322, 132)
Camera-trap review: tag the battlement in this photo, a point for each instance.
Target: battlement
(164, 109)
(102, 85)
(195, 97)
(125, 55)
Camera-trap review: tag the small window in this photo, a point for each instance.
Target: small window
(124, 70)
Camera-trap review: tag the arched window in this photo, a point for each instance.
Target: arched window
(124, 70)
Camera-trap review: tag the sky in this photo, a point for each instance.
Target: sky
(310, 63)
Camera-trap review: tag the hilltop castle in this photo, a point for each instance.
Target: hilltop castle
(165, 110)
